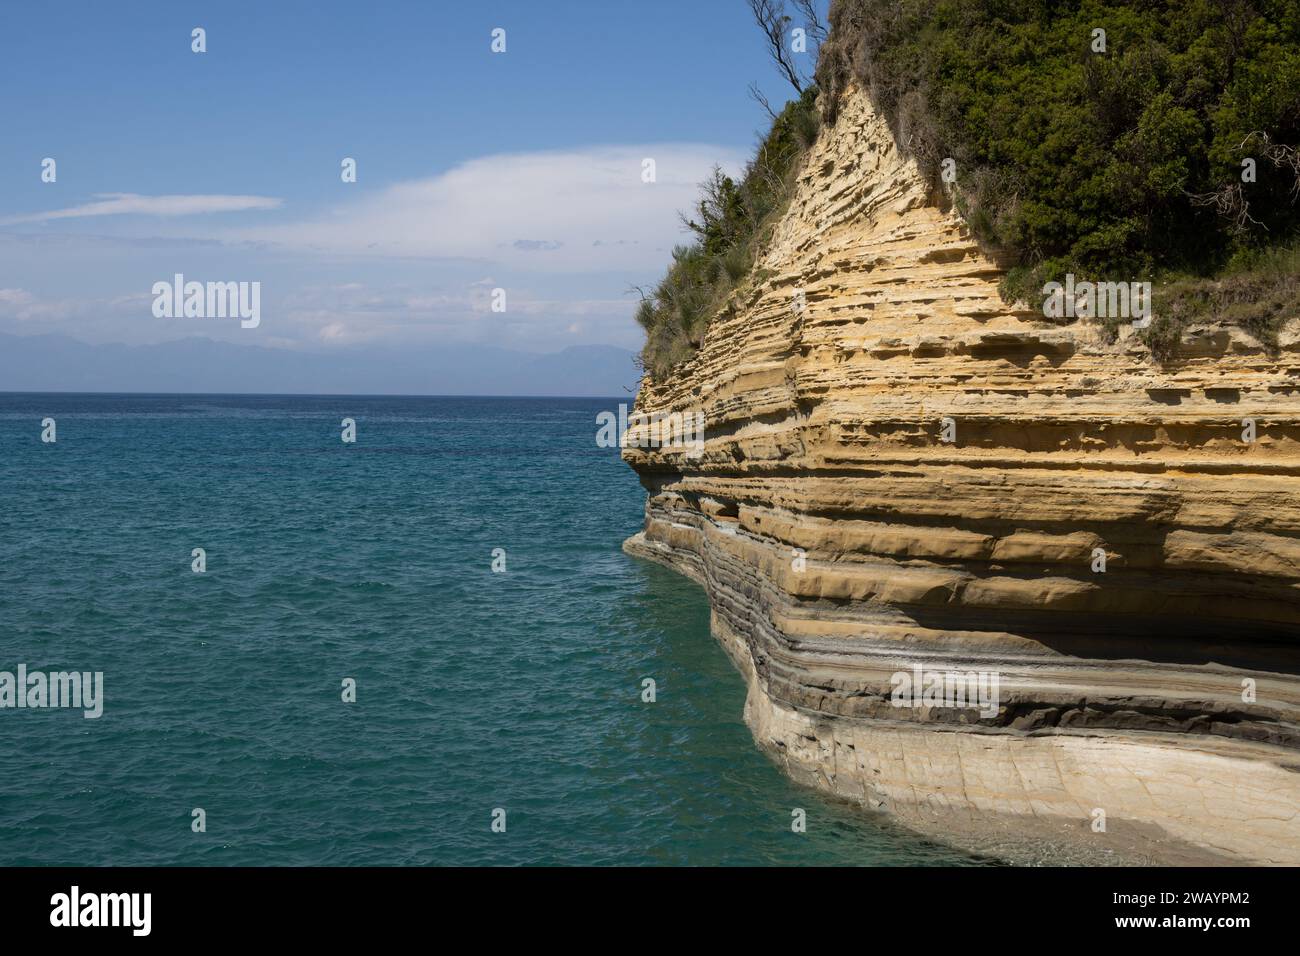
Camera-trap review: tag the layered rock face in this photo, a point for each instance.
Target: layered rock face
(900, 471)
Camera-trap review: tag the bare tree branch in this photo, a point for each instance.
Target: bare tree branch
(757, 96)
(1229, 202)
(1280, 155)
(771, 18)
(813, 22)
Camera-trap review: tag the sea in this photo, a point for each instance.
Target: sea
(421, 647)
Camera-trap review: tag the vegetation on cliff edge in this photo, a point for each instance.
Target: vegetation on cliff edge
(1112, 156)
(729, 224)
(1108, 140)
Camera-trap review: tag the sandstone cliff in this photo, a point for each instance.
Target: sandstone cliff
(842, 540)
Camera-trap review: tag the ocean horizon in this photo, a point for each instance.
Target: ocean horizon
(518, 690)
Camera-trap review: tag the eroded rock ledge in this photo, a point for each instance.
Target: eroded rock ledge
(841, 540)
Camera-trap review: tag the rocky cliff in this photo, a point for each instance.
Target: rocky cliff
(902, 475)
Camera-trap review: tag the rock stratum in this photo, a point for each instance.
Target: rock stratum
(842, 540)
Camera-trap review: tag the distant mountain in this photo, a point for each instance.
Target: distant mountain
(56, 363)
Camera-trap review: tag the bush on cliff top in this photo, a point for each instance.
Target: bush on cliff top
(1123, 164)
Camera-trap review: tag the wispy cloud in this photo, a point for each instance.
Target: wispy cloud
(415, 262)
(25, 311)
(124, 204)
(353, 313)
(582, 210)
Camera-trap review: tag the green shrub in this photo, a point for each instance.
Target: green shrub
(1258, 291)
(1112, 165)
(1122, 165)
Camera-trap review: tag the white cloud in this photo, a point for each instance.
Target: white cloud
(19, 307)
(119, 204)
(15, 299)
(565, 233)
(583, 210)
(352, 313)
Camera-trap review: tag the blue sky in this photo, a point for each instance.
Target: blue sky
(475, 170)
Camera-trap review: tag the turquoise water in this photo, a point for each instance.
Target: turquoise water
(325, 561)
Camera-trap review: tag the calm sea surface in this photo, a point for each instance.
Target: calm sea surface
(370, 561)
